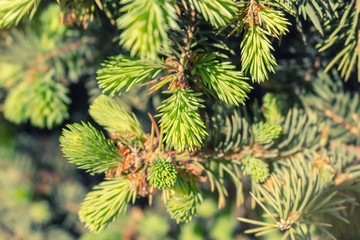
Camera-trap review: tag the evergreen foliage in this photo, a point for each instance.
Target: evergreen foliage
(259, 23)
(105, 202)
(266, 132)
(11, 12)
(163, 174)
(121, 73)
(38, 66)
(272, 111)
(287, 154)
(145, 25)
(257, 169)
(181, 120)
(105, 111)
(338, 107)
(229, 84)
(218, 13)
(43, 102)
(345, 33)
(183, 201)
(88, 148)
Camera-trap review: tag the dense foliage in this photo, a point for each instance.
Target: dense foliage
(253, 103)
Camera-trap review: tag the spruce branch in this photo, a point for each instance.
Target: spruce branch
(105, 203)
(256, 168)
(121, 73)
(45, 104)
(266, 132)
(259, 22)
(256, 56)
(272, 112)
(346, 33)
(217, 12)
(116, 120)
(303, 192)
(183, 201)
(145, 24)
(229, 84)
(181, 120)
(15, 104)
(82, 11)
(317, 12)
(274, 23)
(47, 58)
(12, 11)
(339, 108)
(163, 173)
(88, 148)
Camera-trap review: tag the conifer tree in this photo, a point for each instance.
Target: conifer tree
(225, 122)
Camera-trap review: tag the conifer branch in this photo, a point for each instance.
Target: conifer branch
(105, 202)
(347, 33)
(163, 174)
(88, 148)
(266, 132)
(259, 22)
(272, 112)
(145, 25)
(43, 102)
(121, 73)
(218, 13)
(109, 114)
(181, 120)
(183, 201)
(256, 55)
(12, 11)
(228, 83)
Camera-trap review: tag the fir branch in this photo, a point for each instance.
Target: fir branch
(181, 120)
(109, 114)
(145, 24)
(12, 11)
(107, 200)
(88, 148)
(48, 57)
(48, 46)
(182, 207)
(317, 12)
(121, 73)
(287, 6)
(11, 74)
(228, 131)
(300, 130)
(228, 83)
(217, 12)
